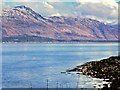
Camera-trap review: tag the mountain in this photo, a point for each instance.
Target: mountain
(22, 24)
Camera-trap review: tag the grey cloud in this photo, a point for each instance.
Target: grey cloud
(99, 11)
(96, 9)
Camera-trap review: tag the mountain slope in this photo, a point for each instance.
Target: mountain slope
(21, 23)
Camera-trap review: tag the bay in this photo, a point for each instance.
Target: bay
(36, 65)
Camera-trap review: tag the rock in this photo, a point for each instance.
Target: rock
(105, 69)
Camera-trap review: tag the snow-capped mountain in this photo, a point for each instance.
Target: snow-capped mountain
(21, 11)
(23, 24)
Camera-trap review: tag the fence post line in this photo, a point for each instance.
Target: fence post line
(77, 87)
(30, 86)
(47, 84)
(57, 85)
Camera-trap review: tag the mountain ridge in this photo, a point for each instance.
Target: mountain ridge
(22, 21)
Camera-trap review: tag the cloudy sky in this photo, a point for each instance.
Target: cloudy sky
(103, 10)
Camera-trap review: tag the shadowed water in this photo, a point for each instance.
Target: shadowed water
(31, 65)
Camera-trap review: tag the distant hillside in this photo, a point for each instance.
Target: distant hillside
(22, 24)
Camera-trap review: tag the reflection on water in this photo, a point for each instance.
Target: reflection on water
(35, 64)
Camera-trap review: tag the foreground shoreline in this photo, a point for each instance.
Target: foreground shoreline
(107, 69)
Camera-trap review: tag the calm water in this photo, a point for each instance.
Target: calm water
(26, 65)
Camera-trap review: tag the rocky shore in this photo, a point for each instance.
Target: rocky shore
(105, 69)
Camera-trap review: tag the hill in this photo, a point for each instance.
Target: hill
(22, 24)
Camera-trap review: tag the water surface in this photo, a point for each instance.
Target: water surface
(26, 65)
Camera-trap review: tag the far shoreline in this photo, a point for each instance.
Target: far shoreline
(81, 42)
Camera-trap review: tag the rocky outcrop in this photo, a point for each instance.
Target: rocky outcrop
(106, 69)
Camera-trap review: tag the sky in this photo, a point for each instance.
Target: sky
(102, 10)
